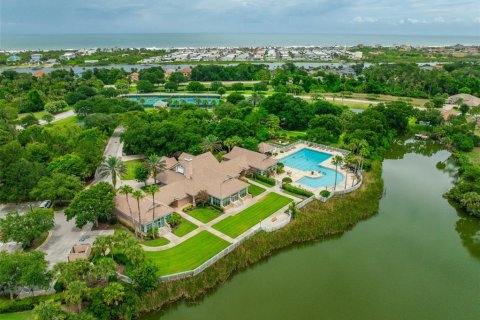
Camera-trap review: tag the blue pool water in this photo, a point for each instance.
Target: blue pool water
(309, 160)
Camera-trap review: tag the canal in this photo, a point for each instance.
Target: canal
(417, 259)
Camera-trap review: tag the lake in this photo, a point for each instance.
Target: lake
(416, 259)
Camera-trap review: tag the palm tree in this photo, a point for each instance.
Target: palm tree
(211, 143)
(337, 160)
(152, 190)
(255, 99)
(156, 165)
(126, 190)
(113, 167)
(76, 291)
(138, 194)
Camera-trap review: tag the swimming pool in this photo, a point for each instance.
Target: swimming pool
(309, 160)
(176, 101)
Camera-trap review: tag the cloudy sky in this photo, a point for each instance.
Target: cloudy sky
(422, 17)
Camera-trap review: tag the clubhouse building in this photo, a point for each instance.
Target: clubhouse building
(187, 176)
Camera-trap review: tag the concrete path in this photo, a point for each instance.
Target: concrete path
(60, 116)
(174, 240)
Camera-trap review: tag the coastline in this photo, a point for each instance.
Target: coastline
(317, 221)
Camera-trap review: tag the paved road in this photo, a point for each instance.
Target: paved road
(64, 236)
(57, 117)
(60, 116)
(114, 148)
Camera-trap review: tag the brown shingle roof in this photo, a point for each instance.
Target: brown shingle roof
(146, 208)
(252, 158)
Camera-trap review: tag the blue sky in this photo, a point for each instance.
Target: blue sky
(422, 17)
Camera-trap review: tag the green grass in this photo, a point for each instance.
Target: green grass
(38, 241)
(236, 225)
(473, 156)
(255, 190)
(184, 227)
(70, 121)
(204, 214)
(130, 166)
(156, 243)
(24, 315)
(189, 254)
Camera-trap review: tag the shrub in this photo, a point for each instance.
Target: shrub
(325, 193)
(287, 180)
(296, 190)
(188, 208)
(266, 180)
(112, 220)
(217, 207)
(174, 220)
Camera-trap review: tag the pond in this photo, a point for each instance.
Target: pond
(417, 259)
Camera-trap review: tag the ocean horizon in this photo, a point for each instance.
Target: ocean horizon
(198, 40)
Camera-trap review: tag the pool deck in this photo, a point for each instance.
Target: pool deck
(296, 174)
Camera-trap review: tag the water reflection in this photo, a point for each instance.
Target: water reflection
(467, 227)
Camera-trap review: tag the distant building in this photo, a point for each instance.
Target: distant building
(460, 98)
(39, 74)
(187, 72)
(133, 76)
(36, 57)
(14, 58)
(68, 56)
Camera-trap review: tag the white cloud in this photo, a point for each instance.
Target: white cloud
(359, 19)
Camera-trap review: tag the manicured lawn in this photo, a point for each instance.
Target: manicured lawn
(189, 254)
(130, 166)
(236, 225)
(24, 315)
(156, 243)
(204, 214)
(474, 155)
(255, 190)
(184, 228)
(70, 121)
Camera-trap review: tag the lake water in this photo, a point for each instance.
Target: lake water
(169, 40)
(417, 259)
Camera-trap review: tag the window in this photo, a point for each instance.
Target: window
(243, 193)
(214, 201)
(226, 201)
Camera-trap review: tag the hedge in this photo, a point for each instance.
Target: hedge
(299, 191)
(266, 180)
(28, 303)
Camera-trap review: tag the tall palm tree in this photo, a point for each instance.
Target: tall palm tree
(138, 194)
(126, 190)
(152, 189)
(156, 165)
(113, 167)
(211, 143)
(337, 160)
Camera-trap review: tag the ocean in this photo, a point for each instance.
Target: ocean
(181, 40)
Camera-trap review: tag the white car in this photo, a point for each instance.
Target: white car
(45, 204)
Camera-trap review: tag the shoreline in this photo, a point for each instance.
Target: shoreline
(337, 216)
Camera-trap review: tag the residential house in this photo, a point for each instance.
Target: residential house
(187, 72)
(187, 176)
(36, 57)
(39, 74)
